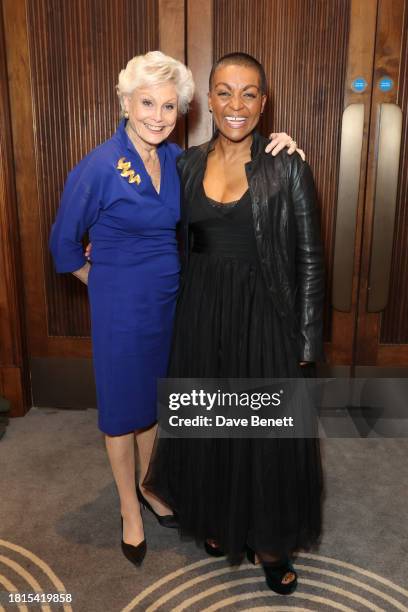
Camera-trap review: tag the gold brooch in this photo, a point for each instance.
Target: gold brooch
(127, 172)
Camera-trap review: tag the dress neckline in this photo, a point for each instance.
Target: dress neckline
(161, 153)
(217, 204)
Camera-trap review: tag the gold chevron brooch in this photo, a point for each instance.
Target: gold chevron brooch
(127, 172)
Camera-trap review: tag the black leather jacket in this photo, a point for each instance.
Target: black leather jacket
(287, 231)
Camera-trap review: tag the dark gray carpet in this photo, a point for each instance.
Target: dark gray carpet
(60, 527)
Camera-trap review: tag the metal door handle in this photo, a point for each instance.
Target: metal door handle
(352, 130)
(385, 202)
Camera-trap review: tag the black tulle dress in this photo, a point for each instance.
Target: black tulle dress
(264, 493)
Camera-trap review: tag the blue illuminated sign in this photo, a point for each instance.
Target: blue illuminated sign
(386, 84)
(359, 85)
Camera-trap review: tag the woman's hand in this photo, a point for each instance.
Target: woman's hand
(83, 272)
(88, 250)
(280, 140)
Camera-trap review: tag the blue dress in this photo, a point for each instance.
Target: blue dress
(134, 276)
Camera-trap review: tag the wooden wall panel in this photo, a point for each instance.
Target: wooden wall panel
(200, 58)
(303, 46)
(394, 322)
(76, 50)
(14, 377)
(172, 41)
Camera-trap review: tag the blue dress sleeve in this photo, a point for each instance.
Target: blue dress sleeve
(79, 209)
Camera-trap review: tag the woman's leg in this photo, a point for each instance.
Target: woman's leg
(145, 440)
(121, 452)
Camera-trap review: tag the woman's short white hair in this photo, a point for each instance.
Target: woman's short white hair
(156, 68)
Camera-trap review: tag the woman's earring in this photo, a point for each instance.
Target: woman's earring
(126, 115)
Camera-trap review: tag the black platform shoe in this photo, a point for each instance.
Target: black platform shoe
(134, 554)
(169, 520)
(275, 571)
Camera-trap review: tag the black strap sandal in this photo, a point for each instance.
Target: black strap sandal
(275, 572)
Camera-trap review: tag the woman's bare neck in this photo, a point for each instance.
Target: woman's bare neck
(230, 151)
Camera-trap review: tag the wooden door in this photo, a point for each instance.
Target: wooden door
(63, 60)
(382, 325)
(324, 62)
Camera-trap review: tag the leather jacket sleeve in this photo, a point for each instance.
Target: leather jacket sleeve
(309, 262)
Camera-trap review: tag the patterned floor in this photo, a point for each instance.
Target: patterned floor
(60, 533)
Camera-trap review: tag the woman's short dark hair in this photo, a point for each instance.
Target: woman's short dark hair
(241, 59)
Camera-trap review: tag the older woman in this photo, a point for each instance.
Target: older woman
(250, 305)
(126, 194)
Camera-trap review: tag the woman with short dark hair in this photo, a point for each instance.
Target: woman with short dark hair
(250, 305)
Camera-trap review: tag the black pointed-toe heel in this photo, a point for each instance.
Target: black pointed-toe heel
(213, 551)
(134, 554)
(275, 573)
(251, 556)
(169, 520)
